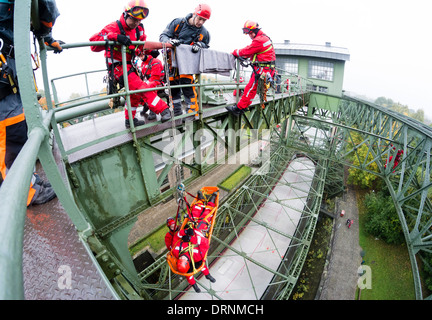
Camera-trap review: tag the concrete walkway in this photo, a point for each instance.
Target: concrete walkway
(340, 278)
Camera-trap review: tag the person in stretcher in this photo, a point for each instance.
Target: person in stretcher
(190, 247)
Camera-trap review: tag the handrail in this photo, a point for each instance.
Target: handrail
(13, 209)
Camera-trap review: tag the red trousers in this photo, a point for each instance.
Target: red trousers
(153, 101)
(191, 279)
(251, 88)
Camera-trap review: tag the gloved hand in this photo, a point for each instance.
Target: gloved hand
(124, 40)
(154, 53)
(186, 238)
(235, 53)
(189, 232)
(175, 42)
(55, 44)
(197, 46)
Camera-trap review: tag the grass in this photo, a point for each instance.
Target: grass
(235, 178)
(392, 277)
(156, 241)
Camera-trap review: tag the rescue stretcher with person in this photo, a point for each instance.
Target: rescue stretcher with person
(188, 242)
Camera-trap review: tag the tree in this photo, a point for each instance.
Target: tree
(356, 176)
(382, 220)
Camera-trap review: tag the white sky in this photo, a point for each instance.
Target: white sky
(388, 40)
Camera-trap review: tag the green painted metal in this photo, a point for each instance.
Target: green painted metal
(103, 203)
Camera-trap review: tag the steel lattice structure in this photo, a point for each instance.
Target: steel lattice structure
(322, 127)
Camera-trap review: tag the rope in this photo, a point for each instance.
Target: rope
(180, 188)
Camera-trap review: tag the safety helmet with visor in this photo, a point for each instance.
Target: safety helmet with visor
(250, 26)
(171, 223)
(137, 9)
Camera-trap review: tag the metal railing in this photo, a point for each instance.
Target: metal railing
(14, 190)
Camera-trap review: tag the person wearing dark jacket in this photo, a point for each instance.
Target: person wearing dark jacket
(189, 30)
(13, 125)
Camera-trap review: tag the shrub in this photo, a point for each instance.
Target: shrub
(382, 220)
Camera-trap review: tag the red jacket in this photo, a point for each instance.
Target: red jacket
(169, 239)
(261, 47)
(201, 245)
(153, 70)
(111, 30)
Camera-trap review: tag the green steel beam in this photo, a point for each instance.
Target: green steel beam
(326, 125)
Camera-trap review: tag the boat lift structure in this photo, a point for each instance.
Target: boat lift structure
(89, 233)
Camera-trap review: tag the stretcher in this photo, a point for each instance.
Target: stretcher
(207, 192)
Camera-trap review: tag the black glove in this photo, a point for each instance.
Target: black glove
(154, 53)
(54, 44)
(197, 46)
(124, 40)
(186, 238)
(175, 42)
(189, 232)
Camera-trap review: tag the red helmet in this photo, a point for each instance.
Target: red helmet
(183, 264)
(203, 10)
(171, 223)
(250, 26)
(137, 9)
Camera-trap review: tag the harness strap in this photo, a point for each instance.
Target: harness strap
(178, 28)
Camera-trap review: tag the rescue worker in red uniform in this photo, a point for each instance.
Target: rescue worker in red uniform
(397, 158)
(153, 72)
(171, 224)
(127, 29)
(189, 30)
(263, 58)
(185, 242)
(13, 125)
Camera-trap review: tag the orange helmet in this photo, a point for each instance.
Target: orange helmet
(183, 264)
(250, 26)
(203, 10)
(137, 9)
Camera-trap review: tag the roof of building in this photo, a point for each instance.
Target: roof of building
(312, 50)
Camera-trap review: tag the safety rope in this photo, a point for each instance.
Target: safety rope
(180, 188)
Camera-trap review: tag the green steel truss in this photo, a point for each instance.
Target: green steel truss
(383, 132)
(322, 127)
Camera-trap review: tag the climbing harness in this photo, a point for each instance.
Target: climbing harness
(192, 222)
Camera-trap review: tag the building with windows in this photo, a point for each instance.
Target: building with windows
(323, 65)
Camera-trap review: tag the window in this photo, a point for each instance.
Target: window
(290, 65)
(317, 88)
(321, 70)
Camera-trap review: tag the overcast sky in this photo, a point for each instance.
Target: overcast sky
(388, 40)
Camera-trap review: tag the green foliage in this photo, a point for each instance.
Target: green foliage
(392, 277)
(381, 218)
(360, 177)
(390, 104)
(428, 270)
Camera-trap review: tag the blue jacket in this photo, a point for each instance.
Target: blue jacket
(188, 34)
